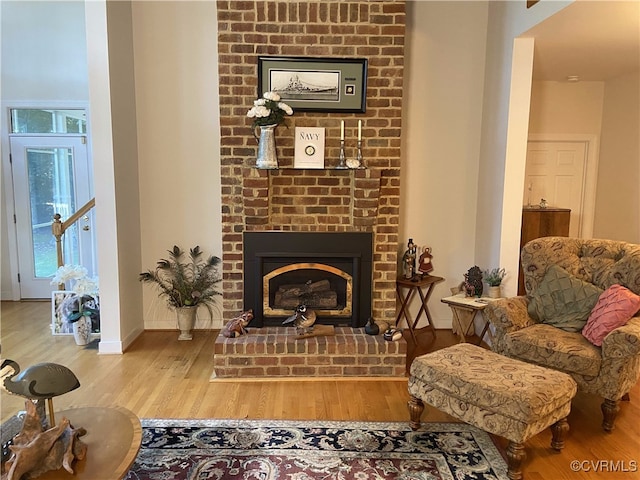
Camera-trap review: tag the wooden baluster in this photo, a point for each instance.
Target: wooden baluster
(57, 228)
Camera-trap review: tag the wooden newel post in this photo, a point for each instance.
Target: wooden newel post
(57, 228)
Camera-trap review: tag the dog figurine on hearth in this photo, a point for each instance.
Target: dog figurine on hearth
(236, 326)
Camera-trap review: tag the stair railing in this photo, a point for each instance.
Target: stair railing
(58, 227)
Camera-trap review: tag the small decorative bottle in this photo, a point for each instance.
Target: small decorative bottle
(409, 260)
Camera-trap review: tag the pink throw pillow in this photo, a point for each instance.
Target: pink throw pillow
(614, 308)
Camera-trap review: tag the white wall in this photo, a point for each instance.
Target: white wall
(566, 108)
(465, 222)
(125, 176)
(175, 46)
(617, 213)
(113, 116)
(35, 37)
(441, 137)
(160, 139)
(458, 186)
(569, 111)
(42, 37)
(505, 119)
(607, 110)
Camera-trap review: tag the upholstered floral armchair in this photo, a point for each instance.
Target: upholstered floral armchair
(576, 316)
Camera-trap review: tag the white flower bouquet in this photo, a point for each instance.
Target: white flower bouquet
(269, 110)
(84, 301)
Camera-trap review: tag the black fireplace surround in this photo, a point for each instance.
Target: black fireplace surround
(349, 253)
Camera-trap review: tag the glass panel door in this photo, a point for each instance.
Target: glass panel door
(50, 173)
(51, 176)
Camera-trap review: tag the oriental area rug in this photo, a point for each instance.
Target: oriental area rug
(305, 450)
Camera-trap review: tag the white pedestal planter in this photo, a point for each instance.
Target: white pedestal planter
(186, 321)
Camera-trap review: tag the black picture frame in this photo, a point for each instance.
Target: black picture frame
(316, 84)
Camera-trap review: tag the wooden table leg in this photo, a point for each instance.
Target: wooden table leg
(464, 318)
(425, 308)
(485, 329)
(405, 302)
(413, 284)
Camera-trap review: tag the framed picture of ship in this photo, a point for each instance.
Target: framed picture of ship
(316, 84)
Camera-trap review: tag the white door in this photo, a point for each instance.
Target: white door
(50, 175)
(555, 171)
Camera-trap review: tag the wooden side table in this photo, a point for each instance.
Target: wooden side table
(464, 311)
(418, 284)
(113, 439)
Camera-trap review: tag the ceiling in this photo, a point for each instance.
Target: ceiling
(595, 40)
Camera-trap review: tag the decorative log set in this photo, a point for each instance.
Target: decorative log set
(313, 294)
(36, 450)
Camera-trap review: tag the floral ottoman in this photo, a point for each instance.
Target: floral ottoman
(500, 395)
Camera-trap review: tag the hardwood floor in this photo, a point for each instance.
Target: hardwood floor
(159, 377)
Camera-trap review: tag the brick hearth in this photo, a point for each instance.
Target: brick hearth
(274, 352)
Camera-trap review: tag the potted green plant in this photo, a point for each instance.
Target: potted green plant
(494, 280)
(186, 284)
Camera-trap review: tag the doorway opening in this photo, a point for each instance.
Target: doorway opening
(562, 169)
(51, 173)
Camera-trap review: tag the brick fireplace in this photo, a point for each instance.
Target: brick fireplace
(318, 201)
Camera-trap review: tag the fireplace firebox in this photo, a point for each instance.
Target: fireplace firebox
(329, 272)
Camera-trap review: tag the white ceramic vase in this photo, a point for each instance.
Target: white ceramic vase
(186, 321)
(82, 330)
(494, 292)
